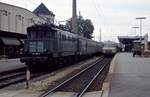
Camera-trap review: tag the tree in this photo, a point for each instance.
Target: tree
(85, 26)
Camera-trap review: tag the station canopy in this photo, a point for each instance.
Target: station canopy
(128, 39)
(10, 41)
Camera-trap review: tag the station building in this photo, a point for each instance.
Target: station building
(127, 42)
(14, 22)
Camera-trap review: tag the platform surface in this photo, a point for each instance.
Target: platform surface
(10, 64)
(131, 76)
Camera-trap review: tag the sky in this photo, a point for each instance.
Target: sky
(112, 17)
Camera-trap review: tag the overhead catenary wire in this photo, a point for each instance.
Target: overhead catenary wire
(100, 13)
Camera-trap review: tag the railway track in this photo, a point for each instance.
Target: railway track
(11, 77)
(81, 82)
(19, 75)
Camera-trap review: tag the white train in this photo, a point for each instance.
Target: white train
(109, 48)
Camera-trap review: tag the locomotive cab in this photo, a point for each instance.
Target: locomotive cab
(39, 43)
(39, 40)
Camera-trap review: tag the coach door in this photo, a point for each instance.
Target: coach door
(59, 42)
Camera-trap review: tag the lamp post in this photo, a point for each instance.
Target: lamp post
(140, 18)
(135, 28)
(100, 37)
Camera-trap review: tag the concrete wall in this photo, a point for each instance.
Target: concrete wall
(16, 19)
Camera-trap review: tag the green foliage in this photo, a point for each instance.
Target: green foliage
(85, 26)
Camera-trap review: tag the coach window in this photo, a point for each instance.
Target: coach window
(68, 38)
(73, 39)
(32, 34)
(53, 34)
(62, 37)
(39, 34)
(59, 36)
(47, 34)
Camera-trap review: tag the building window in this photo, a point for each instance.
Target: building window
(31, 20)
(5, 12)
(49, 20)
(39, 22)
(19, 17)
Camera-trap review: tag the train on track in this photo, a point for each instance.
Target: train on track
(47, 44)
(110, 48)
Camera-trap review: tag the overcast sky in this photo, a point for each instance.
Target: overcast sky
(114, 17)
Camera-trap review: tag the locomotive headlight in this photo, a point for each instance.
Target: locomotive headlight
(45, 51)
(36, 54)
(104, 51)
(26, 50)
(113, 50)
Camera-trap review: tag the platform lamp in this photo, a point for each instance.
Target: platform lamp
(141, 18)
(135, 28)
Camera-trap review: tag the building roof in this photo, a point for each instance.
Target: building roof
(17, 7)
(128, 39)
(12, 34)
(42, 10)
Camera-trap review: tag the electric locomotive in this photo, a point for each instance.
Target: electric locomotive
(48, 44)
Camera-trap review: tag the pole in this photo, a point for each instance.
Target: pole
(146, 42)
(141, 18)
(74, 17)
(27, 77)
(135, 29)
(100, 37)
(141, 30)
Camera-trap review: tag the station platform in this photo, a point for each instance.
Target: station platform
(10, 64)
(130, 76)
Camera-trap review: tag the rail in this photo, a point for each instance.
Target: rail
(83, 90)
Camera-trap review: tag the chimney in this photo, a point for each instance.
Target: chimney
(74, 17)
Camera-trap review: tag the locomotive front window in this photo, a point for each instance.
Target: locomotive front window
(39, 34)
(109, 45)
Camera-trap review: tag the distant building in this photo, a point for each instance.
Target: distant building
(43, 12)
(17, 19)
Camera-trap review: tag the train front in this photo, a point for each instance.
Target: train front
(109, 48)
(38, 45)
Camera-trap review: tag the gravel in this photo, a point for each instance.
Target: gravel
(79, 82)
